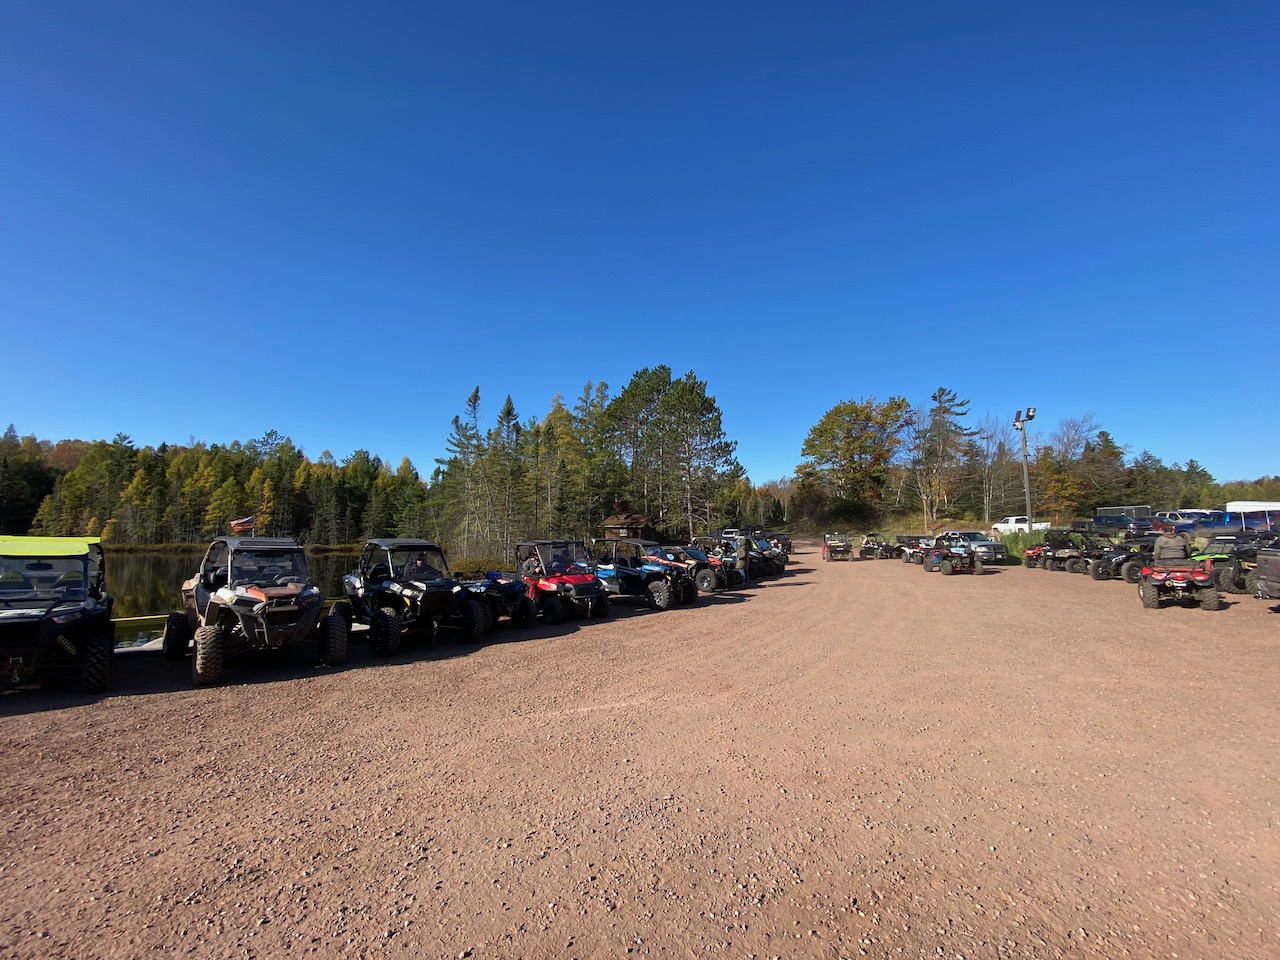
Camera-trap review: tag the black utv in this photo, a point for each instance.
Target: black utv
(55, 614)
(404, 585)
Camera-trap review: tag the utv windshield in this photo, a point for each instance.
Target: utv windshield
(564, 556)
(43, 578)
(272, 567)
(419, 563)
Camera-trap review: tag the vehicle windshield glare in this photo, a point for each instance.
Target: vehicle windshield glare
(418, 563)
(268, 566)
(43, 578)
(562, 556)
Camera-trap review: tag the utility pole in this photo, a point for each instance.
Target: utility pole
(1020, 424)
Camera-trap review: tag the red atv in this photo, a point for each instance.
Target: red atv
(1181, 580)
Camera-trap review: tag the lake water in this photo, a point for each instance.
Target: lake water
(144, 584)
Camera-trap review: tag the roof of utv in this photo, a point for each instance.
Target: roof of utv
(403, 543)
(260, 543)
(11, 546)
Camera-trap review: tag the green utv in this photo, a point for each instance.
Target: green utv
(55, 614)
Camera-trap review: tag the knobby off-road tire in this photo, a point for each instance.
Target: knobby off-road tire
(1209, 600)
(1227, 578)
(706, 580)
(1149, 595)
(1097, 571)
(343, 609)
(600, 605)
(473, 620)
(95, 664)
(1029, 562)
(1075, 565)
(1132, 571)
(177, 636)
(1251, 580)
(524, 613)
(333, 641)
(906, 558)
(686, 592)
(552, 610)
(977, 567)
(659, 595)
(384, 632)
(206, 656)
(946, 568)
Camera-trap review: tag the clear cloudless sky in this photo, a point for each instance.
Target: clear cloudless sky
(335, 220)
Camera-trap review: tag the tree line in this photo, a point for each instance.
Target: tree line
(868, 459)
(658, 447)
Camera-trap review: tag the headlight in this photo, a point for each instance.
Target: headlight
(68, 617)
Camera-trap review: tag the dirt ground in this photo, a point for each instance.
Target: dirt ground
(857, 759)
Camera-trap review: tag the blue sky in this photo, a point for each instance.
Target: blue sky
(335, 220)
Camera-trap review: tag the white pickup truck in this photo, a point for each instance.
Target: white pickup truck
(1017, 525)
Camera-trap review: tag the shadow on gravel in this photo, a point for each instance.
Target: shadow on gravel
(137, 672)
(145, 671)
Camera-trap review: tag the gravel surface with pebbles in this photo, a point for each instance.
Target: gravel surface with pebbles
(855, 759)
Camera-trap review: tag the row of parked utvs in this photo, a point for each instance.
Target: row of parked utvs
(256, 593)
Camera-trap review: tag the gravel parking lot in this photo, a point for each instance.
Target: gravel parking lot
(854, 759)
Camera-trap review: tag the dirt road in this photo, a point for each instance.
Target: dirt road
(856, 759)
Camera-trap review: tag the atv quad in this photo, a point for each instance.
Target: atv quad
(627, 570)
(403, 586)
(502, 595)
(1234, 557)
(250, 593)
(709, 573)
(1123, 561)
(55, 614)
(950, 555)
(1180, 580)
(875, 547)
(560, 579)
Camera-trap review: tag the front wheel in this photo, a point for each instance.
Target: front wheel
(1132, 571)
(524, 613)
(343, 609)
(1097, 571)
(946, 567)
(384, 632)
(706, 580)
(95, 664)
(600, 605)
(552, 610)
(1029, 562)
(177, 636)
(977, 567)
(333, 642)
(206, 658)
(1075, 565)
(659, 594)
